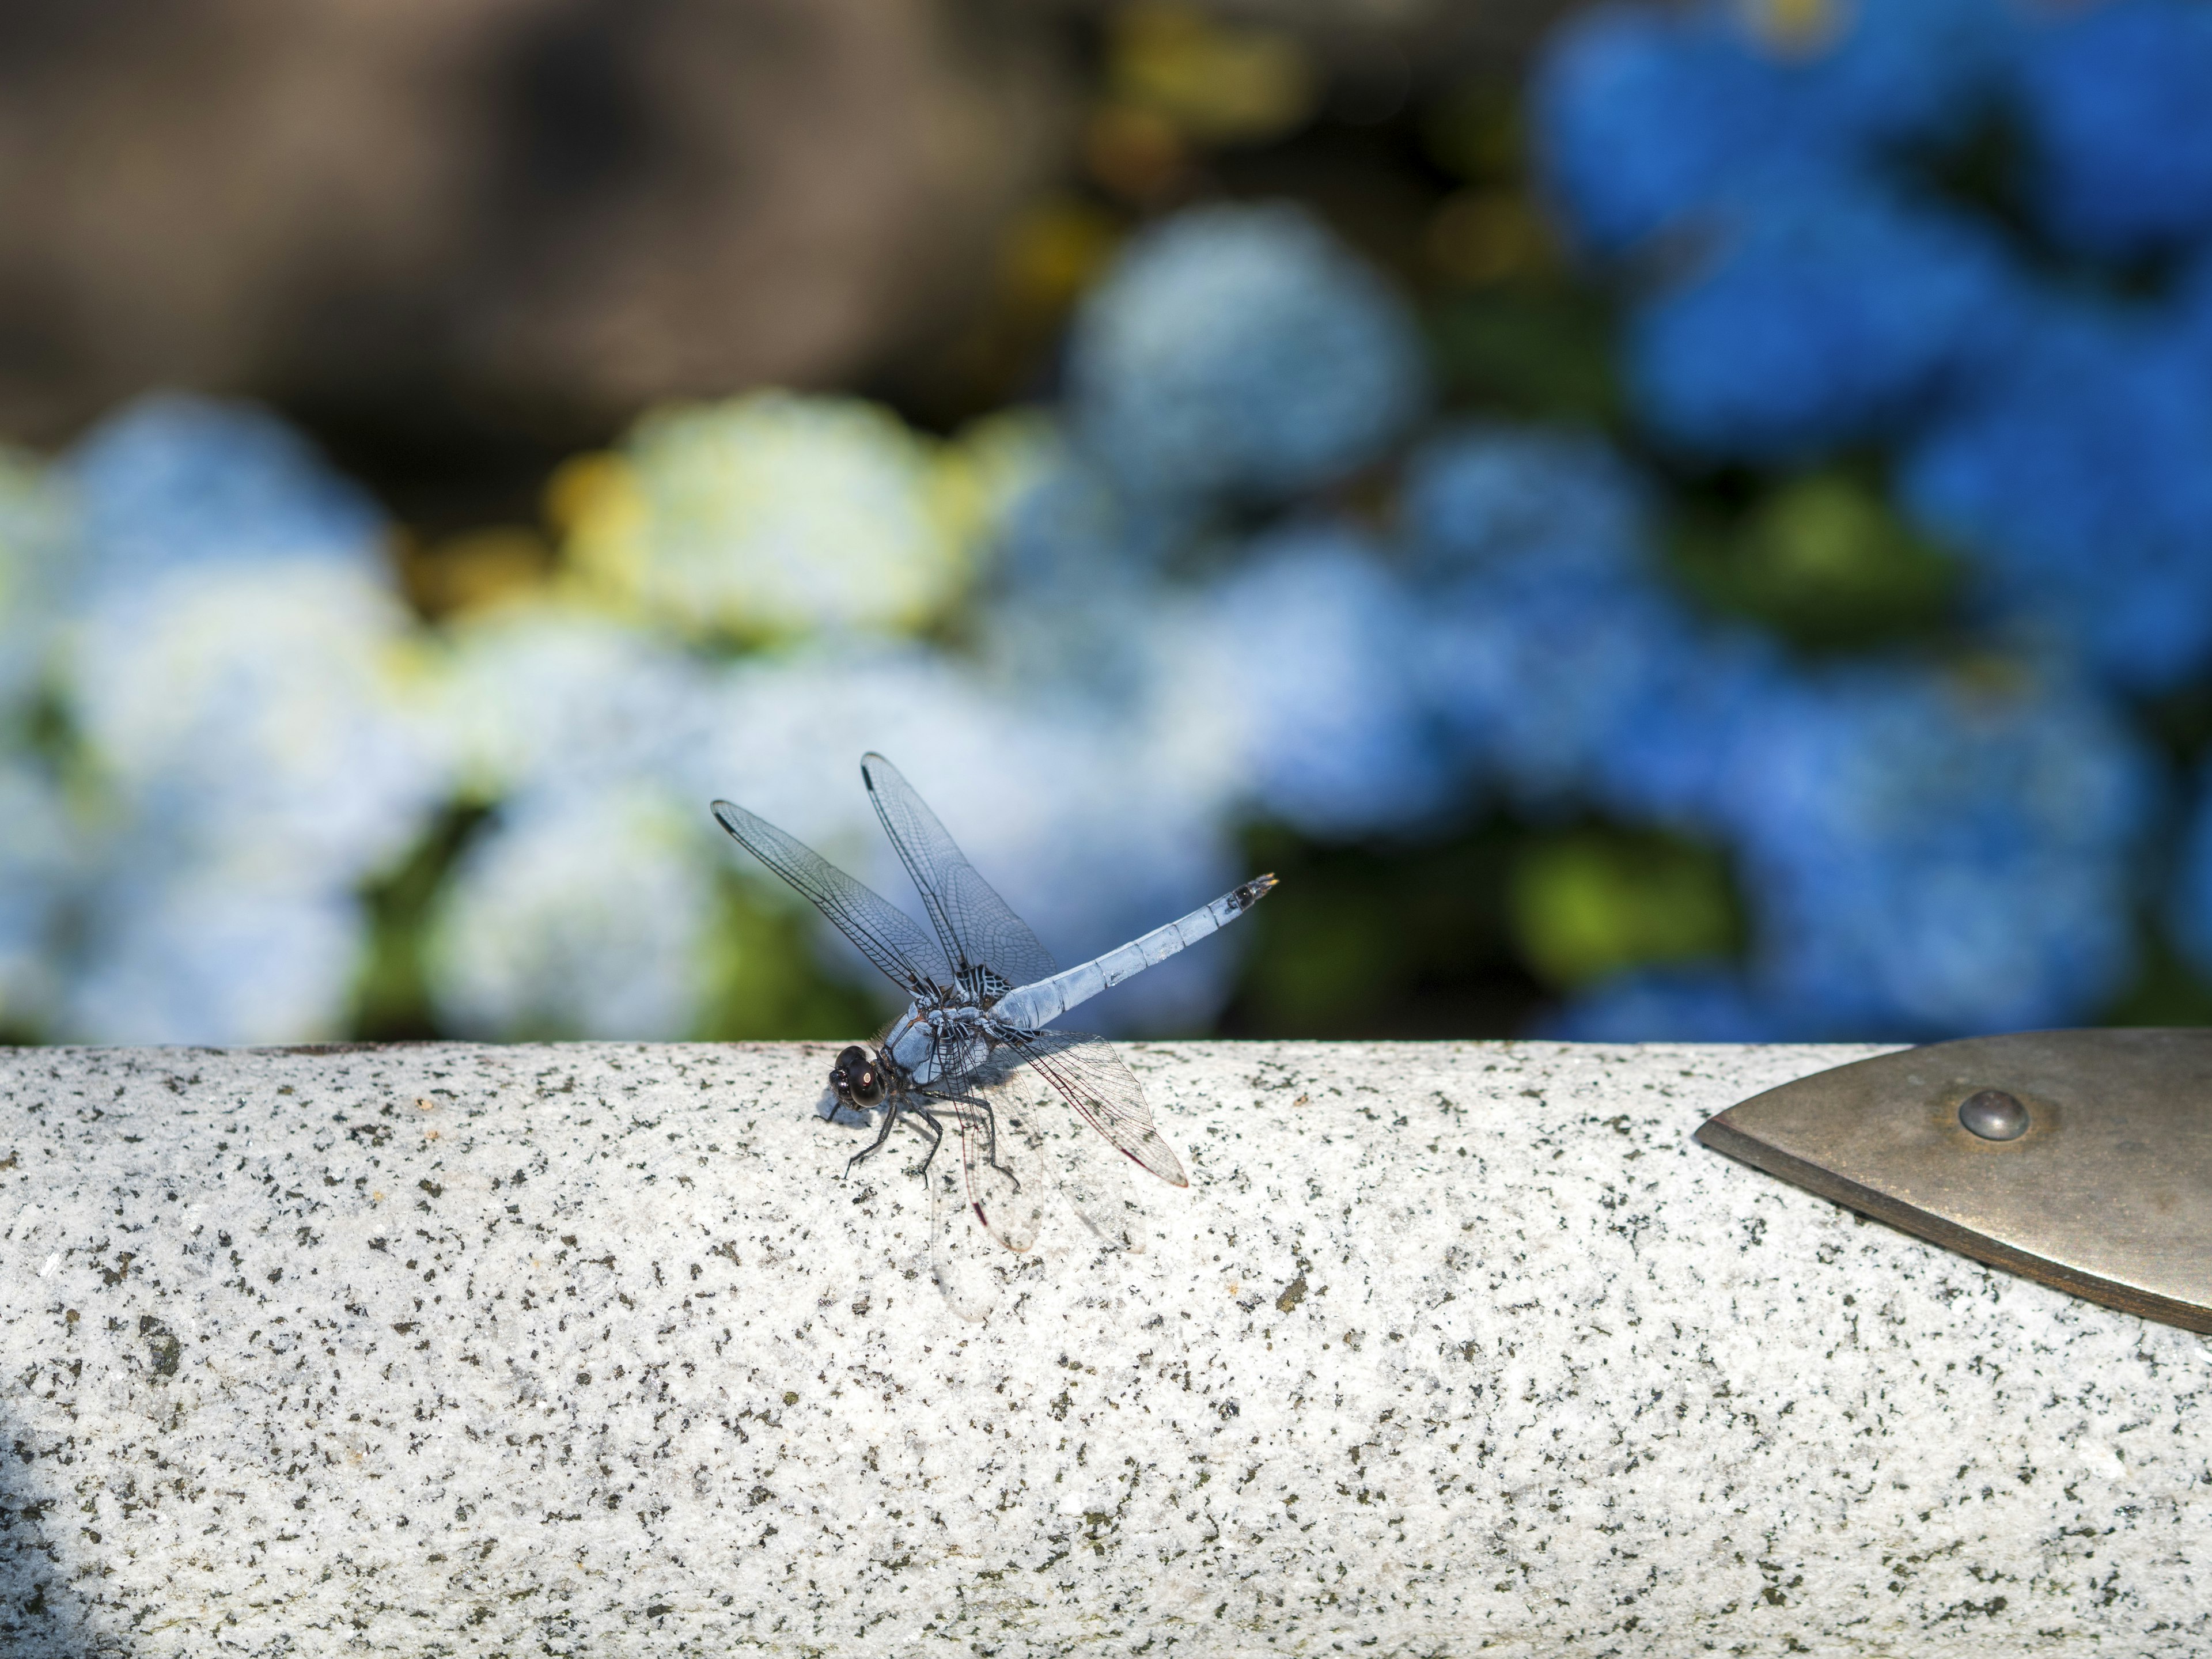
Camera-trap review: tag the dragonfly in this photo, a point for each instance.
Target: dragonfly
(984, 993)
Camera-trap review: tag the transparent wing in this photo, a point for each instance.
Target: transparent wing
(1003, 1157)
(887, 936)
(978, 928)
(1091, 1077)
(1090, 1176)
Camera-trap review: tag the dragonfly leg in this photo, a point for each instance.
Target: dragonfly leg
(936, 1138)
(891, 1110)
(991, 1148)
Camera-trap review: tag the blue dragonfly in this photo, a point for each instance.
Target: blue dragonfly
(983, 993)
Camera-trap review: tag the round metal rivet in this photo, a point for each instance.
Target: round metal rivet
(1993, 1114)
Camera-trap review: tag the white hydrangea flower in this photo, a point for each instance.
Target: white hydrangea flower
(545, 693)
(214, 951)
(774, 515)
(277, 706)
(578, 913)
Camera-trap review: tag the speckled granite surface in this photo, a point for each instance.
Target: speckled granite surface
(1447, 1349)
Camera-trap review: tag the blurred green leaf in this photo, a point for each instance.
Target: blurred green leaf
(1591, 902)
(1822, 559)
(1537, 349)
(1382, 941)
(2165, 991)
(392, 996)
(767, 985)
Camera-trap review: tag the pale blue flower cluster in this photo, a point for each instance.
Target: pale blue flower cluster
(1241, 353)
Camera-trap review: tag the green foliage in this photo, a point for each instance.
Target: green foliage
(391, 995)
(1538, 350)
(766, 984)
(1367, 941)
(1822, 559)
(1589, 902)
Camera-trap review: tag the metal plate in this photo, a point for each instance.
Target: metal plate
(2107, 1194)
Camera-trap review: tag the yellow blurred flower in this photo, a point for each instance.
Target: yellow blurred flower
(770, 516)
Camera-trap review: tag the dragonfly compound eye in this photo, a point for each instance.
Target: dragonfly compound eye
(856, 1077)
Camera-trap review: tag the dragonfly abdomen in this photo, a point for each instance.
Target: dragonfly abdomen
(1032, 1006)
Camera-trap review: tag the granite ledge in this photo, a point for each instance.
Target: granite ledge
(1449, 1348)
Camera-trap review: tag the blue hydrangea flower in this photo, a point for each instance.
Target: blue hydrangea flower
(2114, 98)
(1310, 647)
(1647, 117)
(1820, 316)
(1929, 856)
(1480, 495)
(1549, 647)
(1677, 755)
(1709, 1002)
(1240, 352)
(176, 480)
(2074, 478)
(1535, 668)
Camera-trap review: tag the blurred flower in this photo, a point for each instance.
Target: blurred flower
(548, 693)
(271, 712)
(1929, 856)
(213, 952)
(1647, 117)
(772, 515)
(2076, 479)
(577, 914)
(1698, 1002)
(1482, 495)
(1675, 755)
(1821, 315)
(175, 480)
(1303, 658)
(2114, 99)
(1240, 352)
(40, 862)
(1546, 645)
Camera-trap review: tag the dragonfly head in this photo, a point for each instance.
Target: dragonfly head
(857, 1078)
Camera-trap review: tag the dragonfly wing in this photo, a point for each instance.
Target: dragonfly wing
(1003, 1157)
(1089, 1177)
(886, 935)
(1091, 1077)
(978, 927)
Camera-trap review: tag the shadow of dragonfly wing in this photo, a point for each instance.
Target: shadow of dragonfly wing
(1091, 1077)
(885, 934)
(979, 929)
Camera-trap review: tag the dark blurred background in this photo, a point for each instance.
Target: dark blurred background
(1657, 522)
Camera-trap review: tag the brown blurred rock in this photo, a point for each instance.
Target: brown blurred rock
(525, 214)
